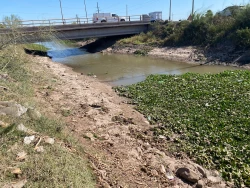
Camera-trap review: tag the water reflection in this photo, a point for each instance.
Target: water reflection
(118, 69)
(59, 54)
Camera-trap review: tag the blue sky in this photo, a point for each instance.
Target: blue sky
(48, 9)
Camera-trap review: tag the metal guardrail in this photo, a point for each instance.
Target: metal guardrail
(70, 21)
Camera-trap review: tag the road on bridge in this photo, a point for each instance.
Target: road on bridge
(75, 30)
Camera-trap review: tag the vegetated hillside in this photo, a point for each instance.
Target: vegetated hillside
(205, 29)
(205, 116)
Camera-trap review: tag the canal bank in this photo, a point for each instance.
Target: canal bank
(224, 54)
(118, 140)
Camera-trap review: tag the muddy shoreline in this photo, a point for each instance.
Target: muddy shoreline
(226, 55)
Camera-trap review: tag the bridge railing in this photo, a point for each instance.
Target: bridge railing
(68, 21)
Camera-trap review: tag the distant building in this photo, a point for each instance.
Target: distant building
(190, 17)
(229, 11)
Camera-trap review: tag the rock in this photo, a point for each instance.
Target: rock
(215, 173)
(162, 170)
(4, 76)
(221, 185)
(22, 128)
(105, 136)
(3, 124)
(34, 114)
(29, 139)
(170, 175)
(187, 175)
(105, 184)
(202, 171)
(21, 156)
(4, 88)
(39, 149)
(154, 173)
(19, 184)
(103, 174)
(214, 180)
(135, 154)
(162, 137)
(16, 171)
(200, 184)
(109, 50)
(90, 136)
(12, 109)
(146, 145)
(49, 140)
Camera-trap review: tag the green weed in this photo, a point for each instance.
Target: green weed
(209, 113)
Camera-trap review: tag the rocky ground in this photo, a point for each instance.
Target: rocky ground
(117, 139)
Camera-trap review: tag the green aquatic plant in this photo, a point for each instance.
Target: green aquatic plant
(208, 114)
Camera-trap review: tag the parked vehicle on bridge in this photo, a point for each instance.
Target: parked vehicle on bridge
(107, 17)
(155, 16)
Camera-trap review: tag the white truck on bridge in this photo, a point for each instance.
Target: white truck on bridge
(155, 16)
(107, 17)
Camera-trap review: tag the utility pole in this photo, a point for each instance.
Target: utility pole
(193, 10)
(98, 10)
(61, 11)
(126, 11)
(86, 11)
(170, 9)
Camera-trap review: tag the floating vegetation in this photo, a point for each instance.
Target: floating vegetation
(209, 116)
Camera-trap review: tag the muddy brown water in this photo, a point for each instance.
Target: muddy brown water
(120, 69)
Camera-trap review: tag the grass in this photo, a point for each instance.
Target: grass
(61, 165)
(71, 43)
(36, 47)
(207, 116)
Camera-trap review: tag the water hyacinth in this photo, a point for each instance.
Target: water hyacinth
(210, 114)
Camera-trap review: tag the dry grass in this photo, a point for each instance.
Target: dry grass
(59, 165)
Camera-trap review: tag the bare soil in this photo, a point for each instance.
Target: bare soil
(117, 139)
(226, 56)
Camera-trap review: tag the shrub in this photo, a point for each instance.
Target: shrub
(242, 37)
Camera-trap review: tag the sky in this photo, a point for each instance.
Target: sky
(50, 9)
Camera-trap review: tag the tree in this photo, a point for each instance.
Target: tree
(209, 16)
(12, 21)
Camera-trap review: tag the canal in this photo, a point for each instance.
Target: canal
(121, 69)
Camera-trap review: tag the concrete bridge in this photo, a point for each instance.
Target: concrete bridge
(75, 30)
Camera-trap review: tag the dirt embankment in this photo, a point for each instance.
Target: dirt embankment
(118, 139)
(225, 54)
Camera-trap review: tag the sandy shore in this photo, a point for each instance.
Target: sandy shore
(117, 139)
